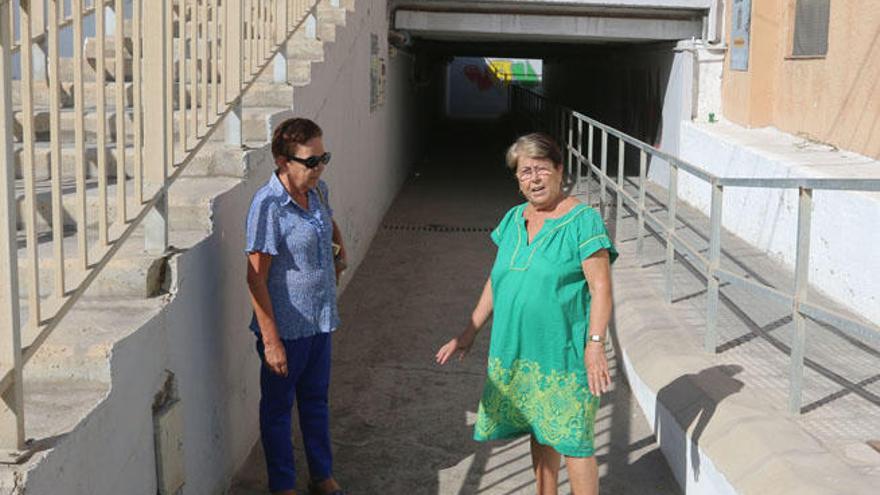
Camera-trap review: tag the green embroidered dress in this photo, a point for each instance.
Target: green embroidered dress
(536, 379)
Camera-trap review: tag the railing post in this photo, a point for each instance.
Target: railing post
(710, 340)
(570, 139)
(604, 169)
(590, 133)
(38, 26)
(621, 153)
(234, 43)
(12, 408)
(643, 173)
(580, 161)
(156, 99)
(801, 281)
(282, 27)
(671, 201)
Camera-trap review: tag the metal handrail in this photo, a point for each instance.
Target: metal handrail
(250, 33)
(565, 122)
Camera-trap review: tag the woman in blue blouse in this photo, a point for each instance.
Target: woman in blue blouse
(292, 279)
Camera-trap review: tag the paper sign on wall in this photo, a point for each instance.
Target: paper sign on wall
(739, 34)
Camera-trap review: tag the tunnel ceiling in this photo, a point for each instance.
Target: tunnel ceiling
(545, 51)
(561, 22)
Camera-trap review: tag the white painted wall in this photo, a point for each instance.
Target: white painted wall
(371, 151)
(472, 91)
(202, 335)
(843, 259)
(677, 106)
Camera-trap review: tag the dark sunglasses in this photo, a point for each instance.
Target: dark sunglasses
(312, 161)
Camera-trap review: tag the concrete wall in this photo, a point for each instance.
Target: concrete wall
(473, 91)
(830, 99)
(840, 263)
(201, 335)
(643, 90)
(371, 151)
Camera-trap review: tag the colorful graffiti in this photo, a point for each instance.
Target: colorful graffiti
(521, 71)
(500, 72)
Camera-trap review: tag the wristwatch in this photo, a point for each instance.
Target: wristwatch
(595, 338)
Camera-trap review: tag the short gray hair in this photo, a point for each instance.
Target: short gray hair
(535, 145)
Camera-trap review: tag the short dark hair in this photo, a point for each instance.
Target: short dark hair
(292, 132)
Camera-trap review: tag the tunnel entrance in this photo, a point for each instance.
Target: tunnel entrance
(641, 89)
(624, 64)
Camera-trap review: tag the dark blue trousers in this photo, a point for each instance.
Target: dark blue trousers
(307, 383)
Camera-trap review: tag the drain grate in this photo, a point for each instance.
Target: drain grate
(434, 227)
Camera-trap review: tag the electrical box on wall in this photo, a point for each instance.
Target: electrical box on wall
(168, 430)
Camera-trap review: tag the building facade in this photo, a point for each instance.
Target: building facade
(807, 67)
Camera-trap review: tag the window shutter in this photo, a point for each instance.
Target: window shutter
(811, 28)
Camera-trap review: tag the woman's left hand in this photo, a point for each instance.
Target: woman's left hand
(598, 376)
(340, 267)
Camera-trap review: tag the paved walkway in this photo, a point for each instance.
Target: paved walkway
(401, 424)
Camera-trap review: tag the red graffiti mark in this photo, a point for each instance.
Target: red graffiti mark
(482, 77)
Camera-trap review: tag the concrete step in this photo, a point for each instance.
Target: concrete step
(300, 72)
(69, 203)
(206, 159)
(43, 161)
(54, 407)
(304, 48)
(329, 19)
(268, 94)
(217, 159)
(255, 124)
(92, 122)
(66, 69)
(68, 90)
(190, 198)
(90, 48)
(131, 272)
(79, 348)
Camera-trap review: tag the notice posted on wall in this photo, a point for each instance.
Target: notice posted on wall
(739, 35)
(377, 75)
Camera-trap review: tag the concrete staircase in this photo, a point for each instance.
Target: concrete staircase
(70, 375)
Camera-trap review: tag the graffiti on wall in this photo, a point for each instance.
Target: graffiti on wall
(499, 72)
(521, 71)
(377, 75)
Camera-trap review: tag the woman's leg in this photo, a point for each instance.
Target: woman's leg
(545, 462)
(276, 403)
(314, 415)
(583, 475)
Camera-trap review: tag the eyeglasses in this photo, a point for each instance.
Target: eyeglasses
(528, 173)
(312, 161)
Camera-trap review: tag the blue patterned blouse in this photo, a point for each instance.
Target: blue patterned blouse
(302, 279)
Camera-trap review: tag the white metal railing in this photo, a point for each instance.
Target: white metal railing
(221, 47)
(569, 127)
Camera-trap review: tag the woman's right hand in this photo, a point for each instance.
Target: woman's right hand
(276, 358)
(461, 344)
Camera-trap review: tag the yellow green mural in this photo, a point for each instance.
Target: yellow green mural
(520, 71)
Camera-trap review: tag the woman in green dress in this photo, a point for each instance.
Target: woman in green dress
(550, 292)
